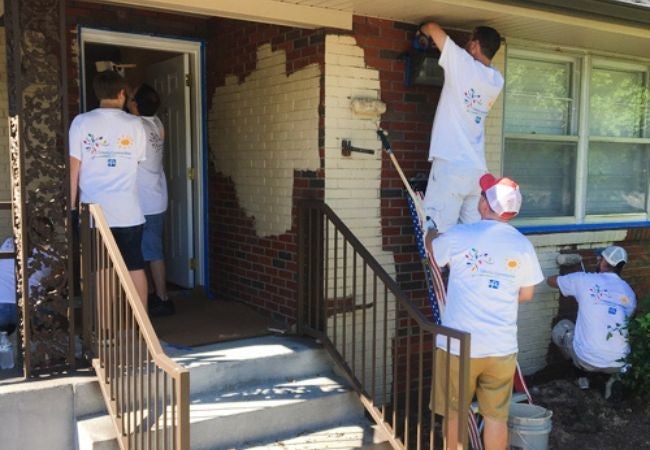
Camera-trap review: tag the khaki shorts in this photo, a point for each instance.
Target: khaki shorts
(490, 378)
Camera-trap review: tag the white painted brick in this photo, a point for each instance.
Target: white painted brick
(348, 73)
(555, 239)
(342, 81)
(343, 60)
(335, 41)
(262, 130)
(494, 124)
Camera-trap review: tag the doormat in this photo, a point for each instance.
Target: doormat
(200, 321)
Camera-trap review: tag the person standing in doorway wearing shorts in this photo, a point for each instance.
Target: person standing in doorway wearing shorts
(106, 146)
(152, 187)
(456, 150)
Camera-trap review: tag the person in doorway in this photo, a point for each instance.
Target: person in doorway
(456, 150)
(106, 146)
(492, 267)
(152, 188)
(597, 342)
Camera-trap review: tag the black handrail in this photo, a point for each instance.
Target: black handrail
(380, 339)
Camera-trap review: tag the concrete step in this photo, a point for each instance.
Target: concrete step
(96, 433)
(267, 391)
(229, 364)
(42, 413)
(346, 436)
(271, 411)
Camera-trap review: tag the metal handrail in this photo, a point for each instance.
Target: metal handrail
(146, 392)
(382, 341)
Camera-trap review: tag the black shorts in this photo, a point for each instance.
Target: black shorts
(129, 241)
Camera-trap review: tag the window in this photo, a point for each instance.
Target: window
(577, 137)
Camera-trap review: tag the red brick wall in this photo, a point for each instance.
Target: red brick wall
(261, 271)
(408, 119)
(252, 270)
(636, 271)
(128, 20)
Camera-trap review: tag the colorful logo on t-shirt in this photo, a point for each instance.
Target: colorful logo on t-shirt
(512, 264)
(156, 142)
(125, 142)
(93, 144)
(598, 293)
(617, 328)
(472, 102)
(475, 259)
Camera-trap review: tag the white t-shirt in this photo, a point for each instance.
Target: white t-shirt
(605, 302)
(470, 90)
(152, 185)
(109, 143)
(489, 262)
(8, 274)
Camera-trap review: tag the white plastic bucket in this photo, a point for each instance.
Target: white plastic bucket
(529, 427)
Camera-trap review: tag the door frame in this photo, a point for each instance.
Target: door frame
(195, 50)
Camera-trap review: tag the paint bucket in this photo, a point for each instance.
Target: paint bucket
(529, 427)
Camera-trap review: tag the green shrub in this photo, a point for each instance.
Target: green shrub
(637, 377)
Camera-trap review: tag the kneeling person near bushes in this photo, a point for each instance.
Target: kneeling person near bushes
(597, 342)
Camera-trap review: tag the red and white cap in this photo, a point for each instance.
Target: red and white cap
(502, 194)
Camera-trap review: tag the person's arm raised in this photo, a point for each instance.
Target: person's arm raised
(435, 32)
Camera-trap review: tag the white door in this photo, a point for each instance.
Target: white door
(169, 79)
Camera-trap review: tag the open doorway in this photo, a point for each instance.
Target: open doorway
(173, 68)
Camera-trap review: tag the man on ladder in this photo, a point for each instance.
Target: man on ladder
(456, 150)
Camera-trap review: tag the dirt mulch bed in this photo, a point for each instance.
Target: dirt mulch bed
(584, 420)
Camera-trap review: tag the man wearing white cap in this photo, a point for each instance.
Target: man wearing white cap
(493, 267)
(597, 342)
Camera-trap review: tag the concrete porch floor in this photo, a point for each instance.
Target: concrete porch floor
(198, 321)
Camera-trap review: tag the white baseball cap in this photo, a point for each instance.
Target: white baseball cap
(502, 195)
(614, 255)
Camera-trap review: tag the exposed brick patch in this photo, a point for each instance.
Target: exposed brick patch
(233, 48)
(408, 119)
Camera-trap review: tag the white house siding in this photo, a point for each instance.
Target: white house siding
(352, 182)
(5, 191)
(494, 121)
(263, 129)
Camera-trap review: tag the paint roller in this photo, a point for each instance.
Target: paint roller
(569, 259)
(103, 66)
